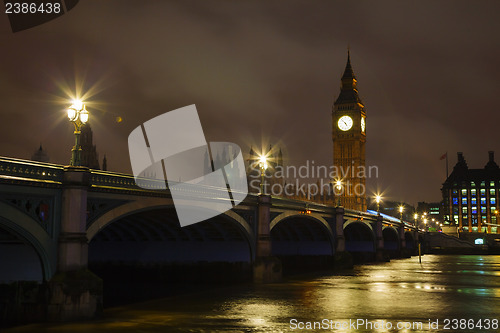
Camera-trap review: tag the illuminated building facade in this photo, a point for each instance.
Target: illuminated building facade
(470, 197)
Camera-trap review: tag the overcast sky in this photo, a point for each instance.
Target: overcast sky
(264, 72)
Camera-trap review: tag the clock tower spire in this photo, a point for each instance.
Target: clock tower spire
(349, 137)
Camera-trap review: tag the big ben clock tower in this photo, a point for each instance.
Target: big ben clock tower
(349, 137)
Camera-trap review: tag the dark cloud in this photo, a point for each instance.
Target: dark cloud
(265, 72)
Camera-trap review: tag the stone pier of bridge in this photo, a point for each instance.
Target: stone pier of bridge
(74, 291)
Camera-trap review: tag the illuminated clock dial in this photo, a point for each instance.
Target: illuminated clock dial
(363, 124)
(345, 123)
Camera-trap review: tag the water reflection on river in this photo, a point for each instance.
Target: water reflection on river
(384, 294)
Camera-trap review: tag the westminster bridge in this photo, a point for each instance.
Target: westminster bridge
(56, 221)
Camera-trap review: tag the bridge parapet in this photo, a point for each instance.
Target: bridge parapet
(14, 171)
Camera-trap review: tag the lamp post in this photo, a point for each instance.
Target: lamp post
(415, 216)
(401, 209)
(338, 187)
(263, 167)
(78, 115)
(378, 198)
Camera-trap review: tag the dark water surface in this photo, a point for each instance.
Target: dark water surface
(375, 297)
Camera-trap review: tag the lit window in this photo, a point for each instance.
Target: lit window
(474, 201)
(492, 184)
(472, 184)
(493, 201)
(473, 191)
(455, 201)
(483, 192)
(455, 217)
(492, 209)
(464, 201)
(455, 192)
(483, 183)
(474, 209)
(483, 210)
(464, 192)
(464, 210)
(492, 191)
(483, 201)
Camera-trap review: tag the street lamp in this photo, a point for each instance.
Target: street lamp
(263, 167)
(401, 209)
(378, 198)
(338, 187)
(415, 216)
(78, 115)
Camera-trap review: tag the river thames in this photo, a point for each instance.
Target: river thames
(443, 294)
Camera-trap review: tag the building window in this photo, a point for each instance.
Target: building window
(474, 210)
(454, 192)
(493, 201)
(474, 220)
(464, 201)
(472, 184)
(464, 210)
(483, 192)
(464, 192)
(455, 218)
(473, 191)
(455, 201)
(483, 201)
(474, 201)
(483, 183)
(483, 210)
(492, 184)
(492, 192)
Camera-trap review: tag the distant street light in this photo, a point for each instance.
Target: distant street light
(401, 209)
(415, 216)
(78, 115)
(263, 166)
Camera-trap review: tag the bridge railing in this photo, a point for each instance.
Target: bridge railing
(114, 180)
(15, 170)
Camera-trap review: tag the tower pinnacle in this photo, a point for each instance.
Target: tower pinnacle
(348, 89)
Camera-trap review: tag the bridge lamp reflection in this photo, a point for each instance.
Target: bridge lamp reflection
(263, 166)
(78, 115)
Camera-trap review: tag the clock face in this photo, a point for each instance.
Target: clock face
(363, 124)
(345, 123)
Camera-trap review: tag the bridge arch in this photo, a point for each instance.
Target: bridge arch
(301, 234)
(124, 223)
(36, 249)
(391, 238)
(359, 236)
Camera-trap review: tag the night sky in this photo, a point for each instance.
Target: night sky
(264, 72)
